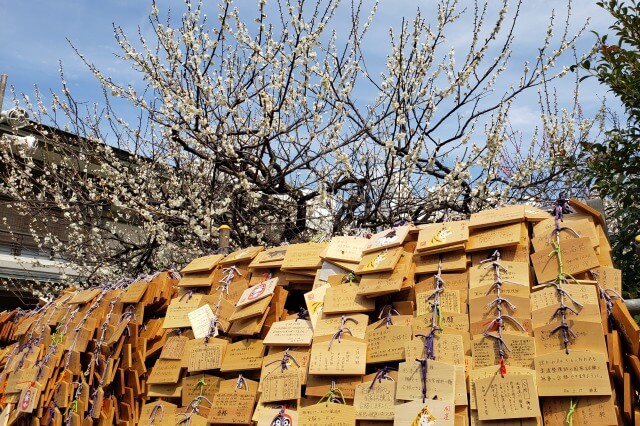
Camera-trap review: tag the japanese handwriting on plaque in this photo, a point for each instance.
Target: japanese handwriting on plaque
(174, 347)
(295, 332)
(450, 261)
(348, 249)
(296, 359)
(344, 299)
(493, 372)
(252, 310)
(513, 273)
(578, 373)
(451, 320)
(165, 371)
(134, 292)
(243, 355)
(200, 320)
(499, 216)
(489, 238)
(344, 357)
(242, 255)
(577, 256)
(449, 302)
(384, 282)
(441, 381)
(386, 344)
(207, 355)
(281, 386)
(447, 348)
(610, 278)
(328, 414)
(375, 402)
(321, 385)
(598, 410)
(486, 353)
(178, 311)
(303, 256)
(272, 255)
(509, 397)
(232, 407)
(328, 324)
(582, 225)
(588, 337)
(199, 384)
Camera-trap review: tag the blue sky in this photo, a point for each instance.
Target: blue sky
(35, 34)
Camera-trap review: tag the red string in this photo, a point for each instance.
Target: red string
(494, 327)
(503, 368)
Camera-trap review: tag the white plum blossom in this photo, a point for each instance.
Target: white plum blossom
(279, 122)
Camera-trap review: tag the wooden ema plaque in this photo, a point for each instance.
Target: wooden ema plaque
(441, 381)
(346, 356)
(232, 407)
(380, 261)
(578, 373)
(512, 396)
(434, 412)
(242, 255)
(375, 400)
(328, 414)
(577, 256)
(294, 332)
(491, 238)
(386, 343)
(243, 355)
(269, 258)
(257, 292)
(495, 217)
(386, 239)
(303, 256)
(346, 249)
(202, 264)
(587, 409)
(439, 235)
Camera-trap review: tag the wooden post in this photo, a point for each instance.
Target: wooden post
(598, 204)
(223, 241)
(3, 85)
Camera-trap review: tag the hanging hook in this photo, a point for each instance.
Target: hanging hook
(342, 329)
(388, 317)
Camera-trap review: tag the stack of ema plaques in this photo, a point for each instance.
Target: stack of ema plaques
(512, 317)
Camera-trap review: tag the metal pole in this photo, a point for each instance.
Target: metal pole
(3, 85)
(633, 305)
